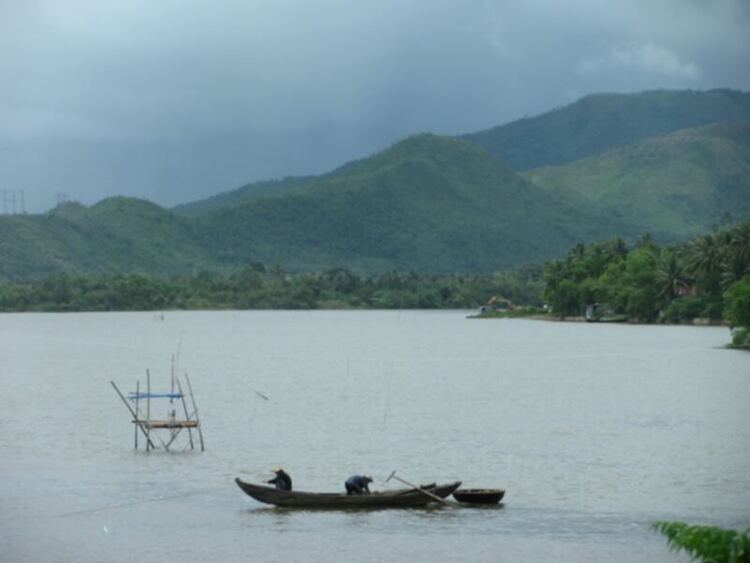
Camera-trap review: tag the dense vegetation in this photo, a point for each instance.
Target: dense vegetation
(256, 287)
(708, 277)
(673, 187)
(708, 544)
(601, 122)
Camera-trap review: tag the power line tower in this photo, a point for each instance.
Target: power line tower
(14, 202)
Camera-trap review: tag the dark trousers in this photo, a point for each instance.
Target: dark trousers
(352, 490)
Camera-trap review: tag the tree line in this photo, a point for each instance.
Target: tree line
(708, 277)
(259, 287)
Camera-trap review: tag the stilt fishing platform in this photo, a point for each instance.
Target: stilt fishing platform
(144, 423)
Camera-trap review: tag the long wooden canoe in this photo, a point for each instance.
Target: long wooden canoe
(401, 498)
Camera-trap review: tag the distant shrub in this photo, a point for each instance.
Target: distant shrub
(737, 308)
(684, 309)
(713, 309)
(741, 338)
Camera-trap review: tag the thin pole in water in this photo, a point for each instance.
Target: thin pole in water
(132, 412)
(148, 407)
(137, 424)
(195, 411)
(187, 416)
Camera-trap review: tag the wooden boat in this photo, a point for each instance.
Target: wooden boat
(479, 496)
(400, 498)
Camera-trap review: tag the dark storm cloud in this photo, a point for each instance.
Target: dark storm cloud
(178, 100)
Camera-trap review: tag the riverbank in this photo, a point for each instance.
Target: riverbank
(582, 319)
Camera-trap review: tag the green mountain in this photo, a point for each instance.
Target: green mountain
(434, 204)
(115, 235)
(674, 186)
(256, 190)
(246, 193)
(597, 123)
(430, 204)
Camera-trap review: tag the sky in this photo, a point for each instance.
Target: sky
(177, 100)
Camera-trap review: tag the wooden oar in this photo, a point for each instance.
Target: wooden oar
(420, 489)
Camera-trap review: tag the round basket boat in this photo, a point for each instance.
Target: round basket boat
(479, 496)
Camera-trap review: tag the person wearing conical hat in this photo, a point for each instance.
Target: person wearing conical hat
(282, 480)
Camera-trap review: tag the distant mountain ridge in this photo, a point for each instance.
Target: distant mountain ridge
(431, 203)
(253, 190)
(590, 126)
(600, 122)
(428, 203)
(117, 235)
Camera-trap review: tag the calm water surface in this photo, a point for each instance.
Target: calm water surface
(595, 431)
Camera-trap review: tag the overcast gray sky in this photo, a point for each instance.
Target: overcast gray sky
(175, 100)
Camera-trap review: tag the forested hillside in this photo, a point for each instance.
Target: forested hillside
(434, 204)
(600, 122)
(428, 204)
(673, 187)
(115, 235)
(241, 195)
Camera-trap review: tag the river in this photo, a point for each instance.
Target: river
(595, 431)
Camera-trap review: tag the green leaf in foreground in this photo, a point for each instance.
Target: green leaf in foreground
(708, 544)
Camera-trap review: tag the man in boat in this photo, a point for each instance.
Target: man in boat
(358, 485)
(282, 480)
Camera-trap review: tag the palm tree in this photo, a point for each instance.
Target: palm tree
(671, 275)
(646, 241)
(705, 258)
(734, 268)
(705, 255)
(741, 238)
(577, 252)
(555, 276)
(737, 259)
(617, 248)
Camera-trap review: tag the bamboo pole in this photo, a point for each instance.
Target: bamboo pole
(187, 416)
(172, 438)
(171, 399)
(147, 424)
(137, 394)
(132, 412)
(148, 406)
(195, 410)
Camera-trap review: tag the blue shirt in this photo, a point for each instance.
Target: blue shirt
(358, 481)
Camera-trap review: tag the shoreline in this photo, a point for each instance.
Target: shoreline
(582, 319)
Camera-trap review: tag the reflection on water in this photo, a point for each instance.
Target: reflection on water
(594, 432)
